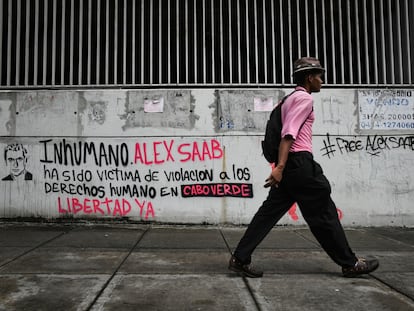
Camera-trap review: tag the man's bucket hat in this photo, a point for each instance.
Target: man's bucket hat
(307, 64)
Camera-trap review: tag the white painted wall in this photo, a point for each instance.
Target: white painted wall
(200, 130)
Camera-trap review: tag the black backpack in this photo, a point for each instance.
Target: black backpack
(273, 134)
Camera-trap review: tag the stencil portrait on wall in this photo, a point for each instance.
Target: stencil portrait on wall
(16, 156)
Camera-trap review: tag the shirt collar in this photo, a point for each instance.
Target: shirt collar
(300, 88)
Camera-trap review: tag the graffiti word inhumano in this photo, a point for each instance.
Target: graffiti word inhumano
(78, 153)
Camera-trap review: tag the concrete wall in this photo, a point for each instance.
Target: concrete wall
(194, 156)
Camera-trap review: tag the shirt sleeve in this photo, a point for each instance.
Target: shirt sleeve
(295, 111)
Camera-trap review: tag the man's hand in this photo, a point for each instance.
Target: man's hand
(275, 177)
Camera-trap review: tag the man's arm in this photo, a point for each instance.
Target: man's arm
(277, 173)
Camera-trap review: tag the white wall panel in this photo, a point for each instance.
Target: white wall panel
(187, 164)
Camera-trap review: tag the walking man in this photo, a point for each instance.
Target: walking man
(296, 177)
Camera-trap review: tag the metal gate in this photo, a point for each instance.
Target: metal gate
(197, 43)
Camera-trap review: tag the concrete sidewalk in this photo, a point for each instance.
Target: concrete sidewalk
(148, 267)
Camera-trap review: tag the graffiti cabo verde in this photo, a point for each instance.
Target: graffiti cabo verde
(126, 178)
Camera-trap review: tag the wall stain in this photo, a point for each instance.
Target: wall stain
(235, 110)
(178, 110)
(10, 124)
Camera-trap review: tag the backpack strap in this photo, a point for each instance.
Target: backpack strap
(284, 99)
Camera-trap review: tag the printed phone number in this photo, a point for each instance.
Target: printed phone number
(387, 121)
(388, 116)
(387, 125)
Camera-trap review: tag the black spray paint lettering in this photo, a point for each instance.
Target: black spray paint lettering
(237, 174)
(329, 148)
(78, 187)
(189, 175)
(133, 191)
(75, 189)
(118, 175)
(373, 145)
(78, 153)
(348, 145)
(392, 142)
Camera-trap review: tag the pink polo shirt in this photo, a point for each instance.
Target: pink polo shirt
(297, 110)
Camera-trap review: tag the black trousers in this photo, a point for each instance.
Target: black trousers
(303, 182)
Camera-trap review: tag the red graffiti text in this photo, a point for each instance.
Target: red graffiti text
(108, 206)
(159, 152)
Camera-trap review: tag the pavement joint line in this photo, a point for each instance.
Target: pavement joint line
(393, 240)
(117, 269)
(307, 239)
(250, 290)
(378, 279)
(34, 248)
(245, 281)
(224, 239)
